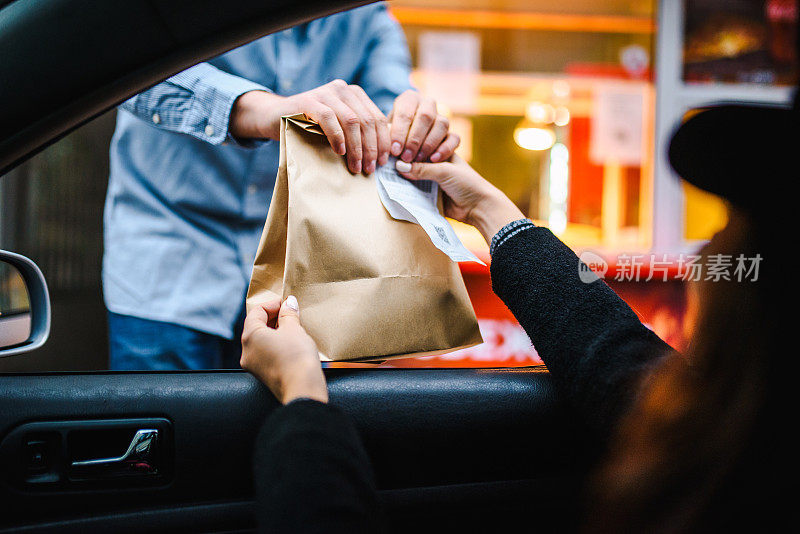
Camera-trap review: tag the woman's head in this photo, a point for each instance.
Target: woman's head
(738, 235)
(684, 440)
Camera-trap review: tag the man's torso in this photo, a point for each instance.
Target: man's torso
(183, 217)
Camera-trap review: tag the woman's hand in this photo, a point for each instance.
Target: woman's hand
(278, 351)
(469, 197)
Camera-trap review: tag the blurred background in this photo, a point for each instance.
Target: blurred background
(566, 106)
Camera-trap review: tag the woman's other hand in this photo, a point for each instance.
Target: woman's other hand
(277, 350)
(469, 197)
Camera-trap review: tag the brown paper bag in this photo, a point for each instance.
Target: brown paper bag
(369, 286)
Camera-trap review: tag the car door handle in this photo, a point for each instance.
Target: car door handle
(90, 454)
(137, 459)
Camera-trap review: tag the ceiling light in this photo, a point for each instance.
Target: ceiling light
(531, 137)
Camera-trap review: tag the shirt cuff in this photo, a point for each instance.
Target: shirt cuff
(507, 232)
(214, 99)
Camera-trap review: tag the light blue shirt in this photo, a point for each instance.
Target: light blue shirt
(186, 204)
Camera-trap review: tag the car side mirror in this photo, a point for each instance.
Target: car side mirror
(24, 305)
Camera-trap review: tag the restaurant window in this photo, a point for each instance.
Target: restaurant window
(732, 50)
(568, 107)
(555, 105)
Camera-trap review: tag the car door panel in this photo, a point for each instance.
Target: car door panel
(443, 442)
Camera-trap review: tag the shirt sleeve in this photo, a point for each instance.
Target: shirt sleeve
(386, 70)
(312, 474)
(197, 102)
(596, 349)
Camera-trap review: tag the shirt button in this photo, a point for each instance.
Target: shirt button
(156, 118)
(209, 130)
(252, 189)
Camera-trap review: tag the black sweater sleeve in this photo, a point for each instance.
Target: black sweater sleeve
(594, 345)
(312, 473)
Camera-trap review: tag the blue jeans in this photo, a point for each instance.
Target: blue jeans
(143, 345)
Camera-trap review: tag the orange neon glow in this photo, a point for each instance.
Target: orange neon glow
(523, 20)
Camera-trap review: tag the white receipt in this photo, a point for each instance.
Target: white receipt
(416, 202)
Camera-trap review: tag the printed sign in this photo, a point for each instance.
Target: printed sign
(617, 125)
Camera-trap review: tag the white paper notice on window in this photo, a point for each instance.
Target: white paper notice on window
(415, 201)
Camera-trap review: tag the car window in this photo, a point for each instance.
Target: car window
(144, 227)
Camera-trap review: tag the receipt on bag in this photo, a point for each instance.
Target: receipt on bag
(416, 202)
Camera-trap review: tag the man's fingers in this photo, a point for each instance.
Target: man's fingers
(381, 124)
(290, 312)
(369, 135)
(349, 95)
(420, 126)
(438, 133)
(384, 142)
(350, 123)
(446, 149)
(329, 122)
(405, 107)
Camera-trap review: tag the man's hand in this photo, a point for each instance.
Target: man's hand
(352, 123)
(419, 132)
(278, 351)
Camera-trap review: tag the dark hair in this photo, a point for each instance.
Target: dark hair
(695, 451)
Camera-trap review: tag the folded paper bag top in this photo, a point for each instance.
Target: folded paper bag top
(370, 287)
